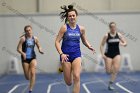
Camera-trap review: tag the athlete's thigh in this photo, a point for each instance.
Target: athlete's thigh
(33, 65)
(25, 66)
(108, 63)
(116, 62)
(76, 67)
(67, 71)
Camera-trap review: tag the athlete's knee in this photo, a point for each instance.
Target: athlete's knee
(27, 77)
(111, 72)
(69, 83)
(32, 73)
(116, 70)
(76, 77)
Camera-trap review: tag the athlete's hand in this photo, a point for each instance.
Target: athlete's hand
(92, 49)
(123, 44)
(41, 52)
(104, 57)
(64, 58)
(24, 56)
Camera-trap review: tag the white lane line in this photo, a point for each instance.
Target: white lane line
(68, 88)
(52, 84)
(122, 87)
(18, 85)
(103, 82)
(85, 85)
(15, 87)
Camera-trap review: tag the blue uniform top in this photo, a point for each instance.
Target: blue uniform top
(28, 47)
(71, 40)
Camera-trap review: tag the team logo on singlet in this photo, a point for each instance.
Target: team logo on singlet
(74, 34)
(113, 40)
(30, 43)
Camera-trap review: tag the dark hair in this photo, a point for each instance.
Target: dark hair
(64, 14)
(27, 27)
(111, 24)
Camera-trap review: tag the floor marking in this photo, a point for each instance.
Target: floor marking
(16, 86)
(52, 84)
(90, 82)
(122, 87)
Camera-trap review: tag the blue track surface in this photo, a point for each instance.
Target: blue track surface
(54, 83)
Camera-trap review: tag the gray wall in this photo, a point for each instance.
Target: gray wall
(51, 6)
(46, 27)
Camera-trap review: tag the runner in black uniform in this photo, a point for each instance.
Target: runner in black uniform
(112, 48)
(112, 53)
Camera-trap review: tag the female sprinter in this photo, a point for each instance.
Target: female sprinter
(70, 53)
(112, 53)
(26, 49)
